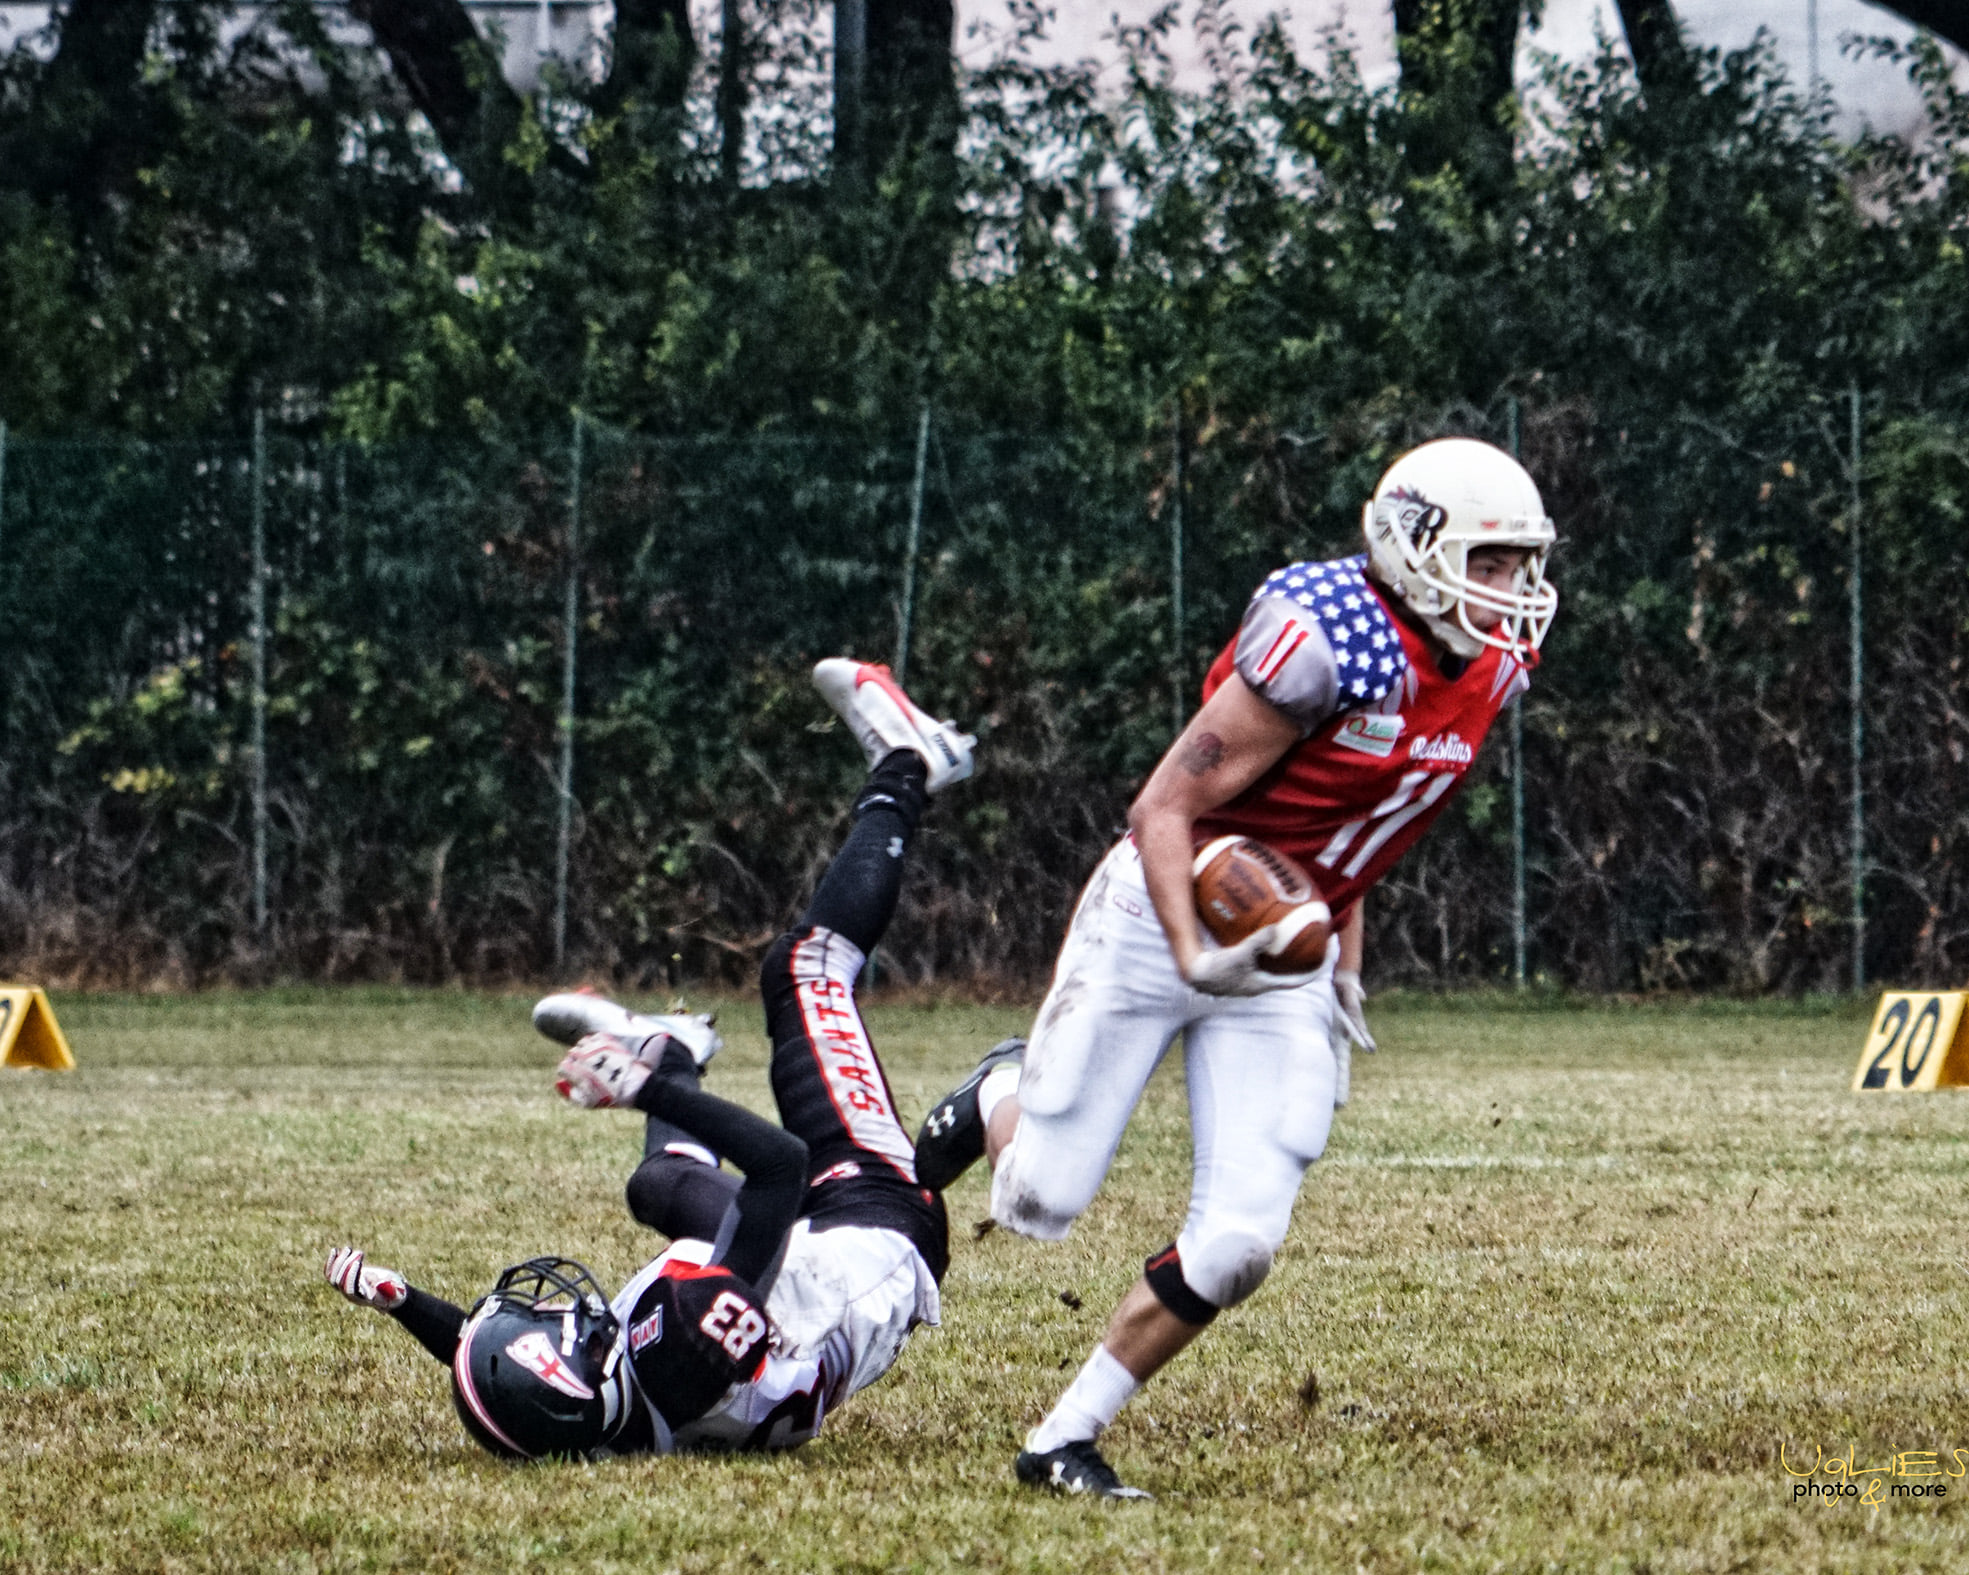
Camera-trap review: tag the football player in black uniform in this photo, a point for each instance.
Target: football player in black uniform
(780, 1295)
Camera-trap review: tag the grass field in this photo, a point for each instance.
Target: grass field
(1568, 1279)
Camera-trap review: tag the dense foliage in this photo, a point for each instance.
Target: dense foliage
(1120, 302)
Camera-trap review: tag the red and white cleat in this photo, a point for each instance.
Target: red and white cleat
(867, 697)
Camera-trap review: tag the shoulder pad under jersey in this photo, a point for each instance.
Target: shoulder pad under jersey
(1367, 652)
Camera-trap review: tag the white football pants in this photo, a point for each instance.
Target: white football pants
(1260, 1071)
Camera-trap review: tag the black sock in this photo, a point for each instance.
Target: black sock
(857, 895)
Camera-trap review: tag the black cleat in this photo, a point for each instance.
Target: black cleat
(952, 1137)
(1073, 1468)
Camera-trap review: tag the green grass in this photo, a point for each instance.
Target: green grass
(1567, 1280)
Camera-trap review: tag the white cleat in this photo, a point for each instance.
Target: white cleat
(571, 1016)
(867, 697)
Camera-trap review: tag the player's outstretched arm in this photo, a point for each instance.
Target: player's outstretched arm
(681, 1194)
(772, 1159)
(600, 1073)
(1230, 743)
(431, 1319)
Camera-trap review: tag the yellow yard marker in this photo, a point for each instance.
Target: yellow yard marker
(29, 1034)
(1915, 1044)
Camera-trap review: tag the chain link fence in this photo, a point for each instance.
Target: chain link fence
(517, 713)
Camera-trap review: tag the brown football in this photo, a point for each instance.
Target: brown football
(1241, 885)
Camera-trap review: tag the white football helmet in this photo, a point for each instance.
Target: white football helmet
(1434, 505)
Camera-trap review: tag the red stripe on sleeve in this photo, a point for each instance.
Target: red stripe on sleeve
(1275, 659)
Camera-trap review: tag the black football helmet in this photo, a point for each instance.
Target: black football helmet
(542, 1367)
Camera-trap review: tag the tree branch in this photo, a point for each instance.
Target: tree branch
(458, 81)
(653, 55)
(1946, 19)
(94, 116)
(448, 71)
(1457, 64)
(1654, 39)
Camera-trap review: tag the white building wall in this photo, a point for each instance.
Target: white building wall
(1869, 92)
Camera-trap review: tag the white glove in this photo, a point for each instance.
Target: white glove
(1352, 1020)
(366, 1284)
(600, 1074)
(1234, 970)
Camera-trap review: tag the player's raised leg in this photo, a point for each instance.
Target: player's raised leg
(825, 1072)
(827, 1077)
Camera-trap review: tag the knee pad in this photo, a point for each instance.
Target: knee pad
(647, 1193)
(1164, 1272)
(1224, 1267)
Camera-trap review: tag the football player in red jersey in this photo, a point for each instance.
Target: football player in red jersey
(1335, 726)
(779, 1297)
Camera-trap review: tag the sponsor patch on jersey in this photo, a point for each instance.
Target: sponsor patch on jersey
(844, 1171)
(1447, 750)
(648, 1332)
(536, 1353)
(1371, 735)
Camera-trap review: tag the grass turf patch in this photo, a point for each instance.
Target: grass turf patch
(1571, 1290)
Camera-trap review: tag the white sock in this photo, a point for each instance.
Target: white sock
(1001, 1081)
(1092, 1400)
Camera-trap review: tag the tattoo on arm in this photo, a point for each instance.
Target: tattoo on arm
(1203, 754)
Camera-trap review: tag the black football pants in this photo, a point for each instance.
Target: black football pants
(827, 1079)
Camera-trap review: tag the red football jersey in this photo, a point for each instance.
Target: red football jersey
(1355, 795)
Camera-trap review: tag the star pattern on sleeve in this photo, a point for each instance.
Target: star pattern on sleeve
(1366, 649)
